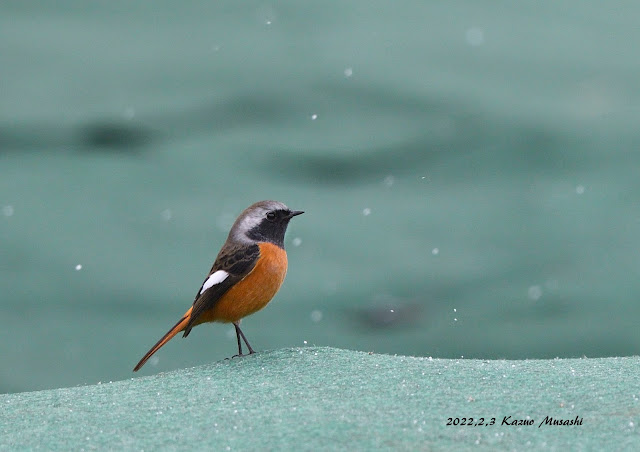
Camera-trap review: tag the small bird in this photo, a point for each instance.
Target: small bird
(245, 276)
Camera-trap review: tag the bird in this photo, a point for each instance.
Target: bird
(245, 276)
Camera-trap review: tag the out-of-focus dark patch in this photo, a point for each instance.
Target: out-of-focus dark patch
(100, 135)
(109, 134)
(445, 133)
(388, 315)
(328, 168)
(115, 136)
(220, 115)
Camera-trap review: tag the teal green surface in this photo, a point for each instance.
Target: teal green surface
(469, 173)
(331, 399)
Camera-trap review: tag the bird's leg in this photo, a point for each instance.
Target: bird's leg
(240, 333)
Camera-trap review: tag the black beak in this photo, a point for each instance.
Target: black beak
(293, 213)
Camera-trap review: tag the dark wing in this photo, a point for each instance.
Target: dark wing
(237, 261)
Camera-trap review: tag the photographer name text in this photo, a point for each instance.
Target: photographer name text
(511, 421)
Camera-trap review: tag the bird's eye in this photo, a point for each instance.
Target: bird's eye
(271, 216)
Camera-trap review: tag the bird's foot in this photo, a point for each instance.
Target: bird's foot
(240, 355)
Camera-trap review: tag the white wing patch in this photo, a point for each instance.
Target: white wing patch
(215, 278)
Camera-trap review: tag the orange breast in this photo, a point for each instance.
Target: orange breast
(256, 289)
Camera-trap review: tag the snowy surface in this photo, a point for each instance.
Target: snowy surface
(325, 398)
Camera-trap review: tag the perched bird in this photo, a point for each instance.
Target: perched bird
(245, 276)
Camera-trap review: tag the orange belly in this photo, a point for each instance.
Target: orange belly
(254, 291)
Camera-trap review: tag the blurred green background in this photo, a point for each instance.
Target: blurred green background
(470, 173)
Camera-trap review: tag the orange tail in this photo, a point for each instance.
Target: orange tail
(182, 323)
